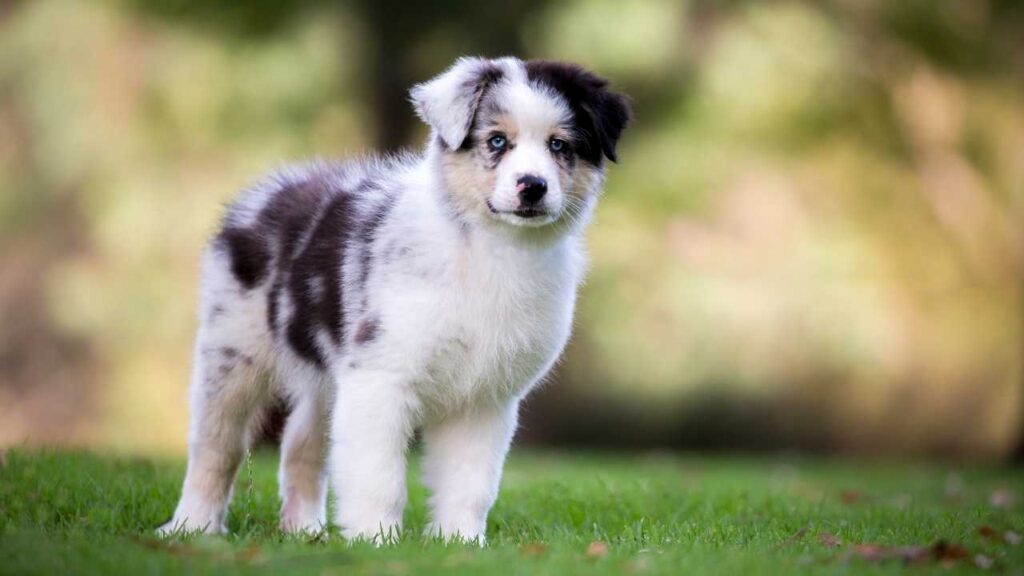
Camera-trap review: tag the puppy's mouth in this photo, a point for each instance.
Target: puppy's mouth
(521, 212)
(524, 216)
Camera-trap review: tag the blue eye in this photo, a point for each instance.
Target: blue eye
(497, 142)
(556, 145)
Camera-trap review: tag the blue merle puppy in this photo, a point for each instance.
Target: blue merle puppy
(381, 296)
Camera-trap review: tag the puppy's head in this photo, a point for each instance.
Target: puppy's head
(522, 143)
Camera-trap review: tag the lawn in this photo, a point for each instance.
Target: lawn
(558, 513)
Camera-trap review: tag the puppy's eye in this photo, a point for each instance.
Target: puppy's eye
(497, 142)
(557, 145)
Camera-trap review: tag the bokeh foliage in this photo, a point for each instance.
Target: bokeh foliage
(813, 238)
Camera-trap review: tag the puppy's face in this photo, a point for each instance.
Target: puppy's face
(522, 143)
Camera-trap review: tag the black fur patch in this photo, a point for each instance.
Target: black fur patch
(249, 254)
(273, 303)
(321, 258)
(286, 218)
(298, 240)
(289, 214)
(599, 115)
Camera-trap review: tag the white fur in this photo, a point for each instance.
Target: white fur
(472, 319)
(534, 113)
(445, 105)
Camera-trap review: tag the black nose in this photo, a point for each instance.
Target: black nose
(531, 188)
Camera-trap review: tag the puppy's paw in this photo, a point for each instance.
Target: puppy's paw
(457, 534)
(187, 526)
(310, 527)
(378, 535)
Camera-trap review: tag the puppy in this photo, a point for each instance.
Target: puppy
(382, 296)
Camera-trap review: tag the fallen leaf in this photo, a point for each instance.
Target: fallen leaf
(983, 562)
(1012, 538)
(850, 496)
(829, 540)
(987, 531)
(946, 552)
(913, 554)
(533, 549)
(942, 552)
(1002, 498)
(870, 552)
(597, 549)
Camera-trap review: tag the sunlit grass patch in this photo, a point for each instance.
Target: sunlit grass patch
(78, 513)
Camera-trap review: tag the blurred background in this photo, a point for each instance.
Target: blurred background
(813, 240)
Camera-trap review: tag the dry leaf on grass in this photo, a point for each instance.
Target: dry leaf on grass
(942, 552)
(829, 540)
(987, 532)
(912, 555)
(533, 549)
(597, 549)
(850, 496)
(945, 551)
(870, 552)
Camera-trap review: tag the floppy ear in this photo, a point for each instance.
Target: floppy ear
(448, 103)
(610, 113)
(600, 115)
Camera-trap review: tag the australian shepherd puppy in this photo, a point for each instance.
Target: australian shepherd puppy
(383, 296)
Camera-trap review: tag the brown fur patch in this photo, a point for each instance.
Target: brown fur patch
(367, 331)
(469, 181)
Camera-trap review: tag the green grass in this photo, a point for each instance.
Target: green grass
(75, 513)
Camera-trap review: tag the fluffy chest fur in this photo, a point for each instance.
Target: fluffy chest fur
(469, 313)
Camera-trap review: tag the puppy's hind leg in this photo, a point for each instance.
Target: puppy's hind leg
(227, 391)
(303, 477)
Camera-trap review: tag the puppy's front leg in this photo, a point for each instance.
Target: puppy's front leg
(369, 437)
(463, 459)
